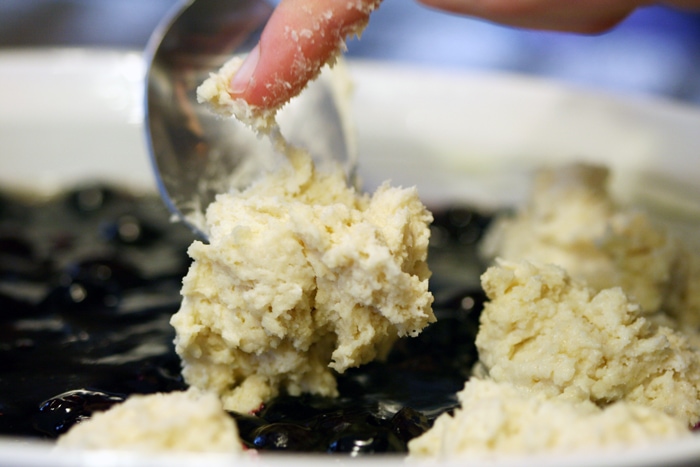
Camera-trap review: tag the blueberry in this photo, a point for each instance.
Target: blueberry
(90, 199)
(12, 308)
(284, 436)
(342, 419)
(130, 230)
(153, 375)
(357, 430)
(14, 246)
(12, 419)
(462, 224)
(247, 425)
(92, 287)
(288, 408)
(83, 298)
(18, 259)
(408, 424)
(356, 443)
(105, 270)
(58, 414)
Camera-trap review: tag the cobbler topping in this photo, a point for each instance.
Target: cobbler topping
(90, 279)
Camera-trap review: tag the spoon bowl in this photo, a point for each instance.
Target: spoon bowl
(196, 154)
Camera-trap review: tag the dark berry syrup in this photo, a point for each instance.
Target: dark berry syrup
(89, 280)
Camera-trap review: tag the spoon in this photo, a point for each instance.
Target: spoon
(195, 154)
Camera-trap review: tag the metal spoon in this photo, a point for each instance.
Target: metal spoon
(196, 155)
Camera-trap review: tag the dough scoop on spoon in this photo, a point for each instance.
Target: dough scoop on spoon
(196, 154)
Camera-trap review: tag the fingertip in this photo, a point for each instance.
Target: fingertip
(242, 78)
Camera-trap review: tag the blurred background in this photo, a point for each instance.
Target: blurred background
(656, 51)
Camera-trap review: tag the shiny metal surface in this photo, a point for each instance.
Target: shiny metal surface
(195, 154)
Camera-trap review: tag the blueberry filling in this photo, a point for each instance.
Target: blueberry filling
(89, 280)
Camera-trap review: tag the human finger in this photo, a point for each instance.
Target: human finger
(299, 38)
(591, 16)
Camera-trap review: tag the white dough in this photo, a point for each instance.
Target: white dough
(190, 421)
(499, 419)
(302, 275)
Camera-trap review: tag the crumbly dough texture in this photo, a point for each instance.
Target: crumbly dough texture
(590, 335)
(214, 91)
(572, 221)
(503, 419)
(190, 421)
(547, 332)
(301, 275)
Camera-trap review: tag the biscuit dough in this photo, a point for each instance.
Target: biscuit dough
(302, 275)
(547, 332)
(189, 420)
(590, 335)
(572, 221)
(503, 419)
(214, 91)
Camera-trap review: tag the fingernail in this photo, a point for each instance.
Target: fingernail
(240, 81)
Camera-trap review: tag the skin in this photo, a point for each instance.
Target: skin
(302, 35)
